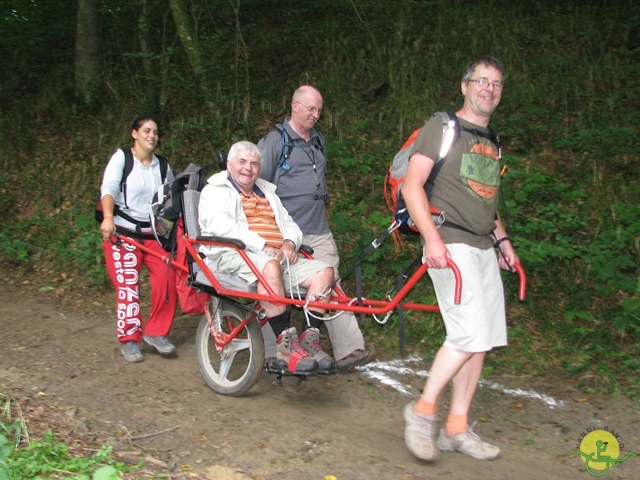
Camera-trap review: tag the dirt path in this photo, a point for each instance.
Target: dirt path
(64, 355)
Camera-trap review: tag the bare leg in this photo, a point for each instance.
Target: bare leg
(465, 383)
(273, 275)
(318, 284)
(463, 369)
(445, 367)
(458, 436)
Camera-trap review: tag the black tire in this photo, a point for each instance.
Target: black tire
(237, 368)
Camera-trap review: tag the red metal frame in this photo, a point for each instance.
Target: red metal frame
(222, 339)
(339, 300)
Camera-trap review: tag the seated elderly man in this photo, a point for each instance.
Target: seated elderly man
(237, 203)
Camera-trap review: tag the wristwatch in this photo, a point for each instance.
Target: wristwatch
(290, 241)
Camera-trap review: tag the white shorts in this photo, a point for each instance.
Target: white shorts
(479, 323)
(232, 263)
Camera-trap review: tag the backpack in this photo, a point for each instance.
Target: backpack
(167, 211)
(128, 167)
(168, 227)
(397, 171)
(166, 206)
(287, 146)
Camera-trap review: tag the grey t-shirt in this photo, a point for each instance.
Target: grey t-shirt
(466, 188)
(303, 181)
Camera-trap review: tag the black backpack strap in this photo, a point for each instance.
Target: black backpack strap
(492, 136)
(138, 223)
(287, 146)
(495, 139)
(164, 167)
(400, 282)
(128, 167)
(320, 141)
(126, 171)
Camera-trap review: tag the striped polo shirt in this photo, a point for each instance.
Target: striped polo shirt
(260, 216)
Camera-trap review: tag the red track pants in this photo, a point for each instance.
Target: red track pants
(124, 264)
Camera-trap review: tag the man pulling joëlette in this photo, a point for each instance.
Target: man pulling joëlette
(466, 189)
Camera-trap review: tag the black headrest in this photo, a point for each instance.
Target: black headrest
(221, 159)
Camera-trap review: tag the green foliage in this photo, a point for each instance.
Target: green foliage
(5, 200)
(106, 473)
(581, 259)
(9, 440)
(14, 249)
(22, 458)
(87, 253)
(42, 459)
(10, 435)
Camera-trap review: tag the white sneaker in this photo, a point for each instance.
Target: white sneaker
(131, 352)
(161, 343)
(420, 434)
(468, 443)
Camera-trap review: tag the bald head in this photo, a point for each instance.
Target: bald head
(305, 92)
(306, 108)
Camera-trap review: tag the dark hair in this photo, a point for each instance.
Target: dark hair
(137, 123)
(486, 60)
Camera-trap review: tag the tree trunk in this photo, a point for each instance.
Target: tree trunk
(143, 30)
(399, 69)
(188, 38)
(87, 59)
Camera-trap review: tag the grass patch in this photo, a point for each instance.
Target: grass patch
(51, 458)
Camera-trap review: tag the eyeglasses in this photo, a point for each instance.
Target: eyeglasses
(484, 82)
(312, 110)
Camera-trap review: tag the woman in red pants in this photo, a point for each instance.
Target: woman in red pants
(130, 180)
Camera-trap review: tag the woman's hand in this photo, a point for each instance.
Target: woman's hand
(107, 227)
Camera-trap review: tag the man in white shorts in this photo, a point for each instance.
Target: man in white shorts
(236, 203)
(466, 189)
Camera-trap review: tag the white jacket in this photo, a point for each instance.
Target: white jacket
(220, 214)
